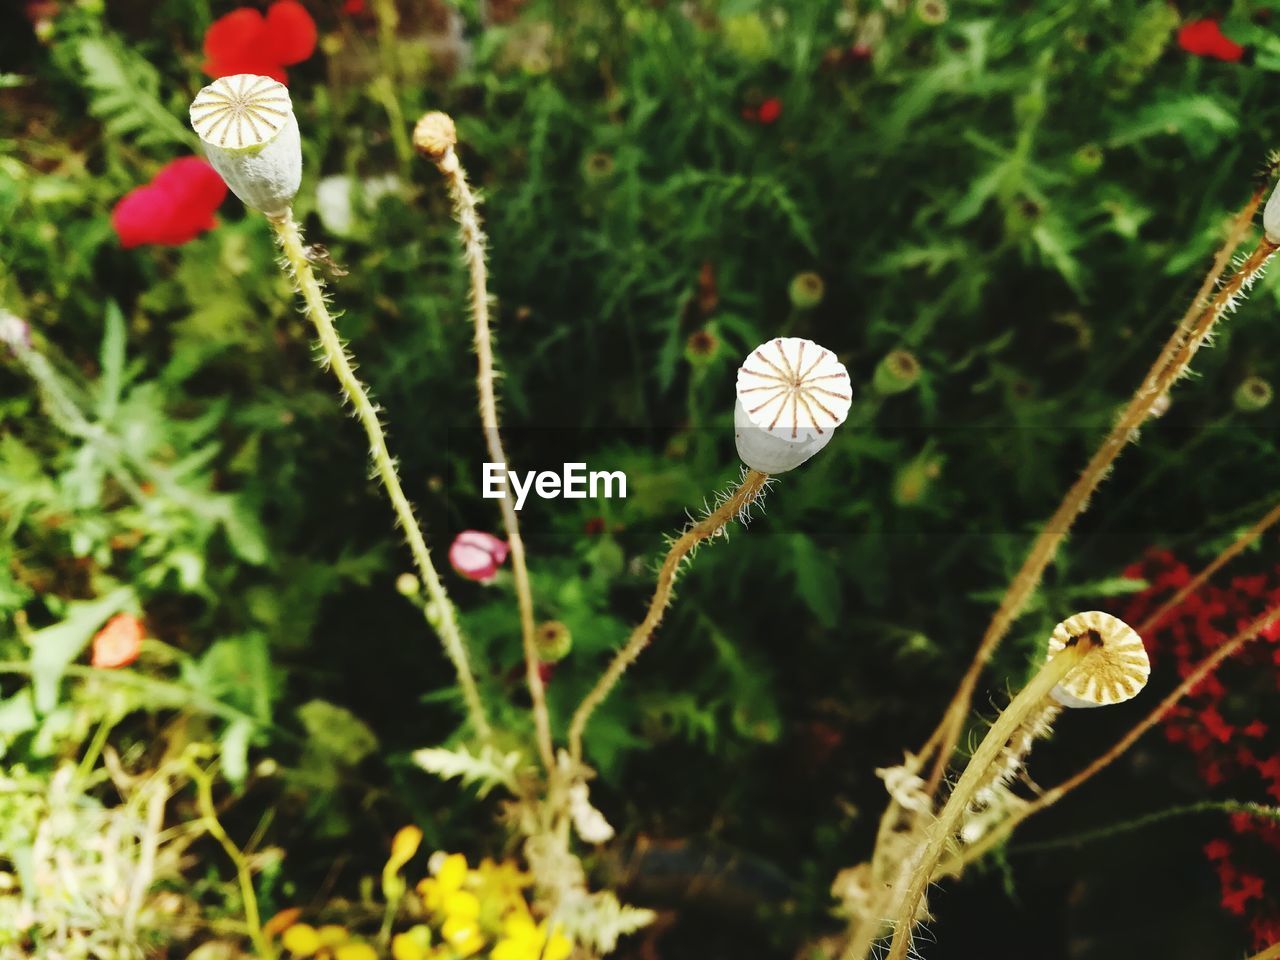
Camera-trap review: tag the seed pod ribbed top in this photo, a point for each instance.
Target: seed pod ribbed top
(1115, 671)
(791, 395)
(251, 138)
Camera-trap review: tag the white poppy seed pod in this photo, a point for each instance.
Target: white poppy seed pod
(251, 138)
(792, 394)
(1113, 672)
(1271, 216)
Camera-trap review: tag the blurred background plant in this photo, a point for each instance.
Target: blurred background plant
(1021, 203)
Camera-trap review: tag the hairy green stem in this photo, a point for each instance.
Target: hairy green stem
(1031, 699)
(473, 243)
(741, 499)
(335, 357)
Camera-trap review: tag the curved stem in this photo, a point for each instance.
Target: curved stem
(1025, 704)
(746, 493)
(1053, 795)
(1170, 366)
(209, 819)
(1237, 546)
(473, 244)
(1257, 810)
(336, 358)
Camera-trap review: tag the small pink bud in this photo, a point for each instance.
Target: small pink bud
(477, 555)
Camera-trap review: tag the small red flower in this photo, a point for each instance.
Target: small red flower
(1217, 849)
(352, 7)
(477, 555)
(176, 206)
(118, 643)
(1204, 38)
(1236, 896)
(765, 113)
(244, 41)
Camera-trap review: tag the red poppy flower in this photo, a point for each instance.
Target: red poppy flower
(176, 206)
(765, 113)
(118, 643)
(1204, 38)
(244, 41)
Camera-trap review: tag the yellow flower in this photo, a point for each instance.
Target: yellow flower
(332, 934)
(355, 951)
(522, 939)
(500, 885)
(403, 847)
(462, 904)
(413, 944)
(301, 940)
(450, 874)
(558, 947)
(463, 934)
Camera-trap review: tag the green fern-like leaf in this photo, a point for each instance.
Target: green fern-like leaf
(484, 770)
(124, 94)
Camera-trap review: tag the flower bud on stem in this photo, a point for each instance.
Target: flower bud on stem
(435, 137)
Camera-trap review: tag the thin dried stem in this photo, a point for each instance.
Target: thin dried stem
(1237, 546)
(735, 504)
(443, 616)
(473, 245)
(1052, 796)
(1170, 366)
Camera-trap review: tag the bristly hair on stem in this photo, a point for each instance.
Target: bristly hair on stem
(908, 896)
(1049, 797)
(436, 137)
(736, 504)
(334, 355)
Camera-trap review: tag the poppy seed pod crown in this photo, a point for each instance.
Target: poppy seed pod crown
(1116, 669)
(792, 394)
(251, 138)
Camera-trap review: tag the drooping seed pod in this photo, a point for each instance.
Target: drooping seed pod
(251, 138)
(932, 12)
(897, 372)
(792, 394)
(806, 290)
(553, 641)
(703, 346)
(1114, 671)
(1252, 395)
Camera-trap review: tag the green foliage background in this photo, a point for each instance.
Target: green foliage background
(1022, 195)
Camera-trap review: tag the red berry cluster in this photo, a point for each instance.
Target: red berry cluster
(1219, 723)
